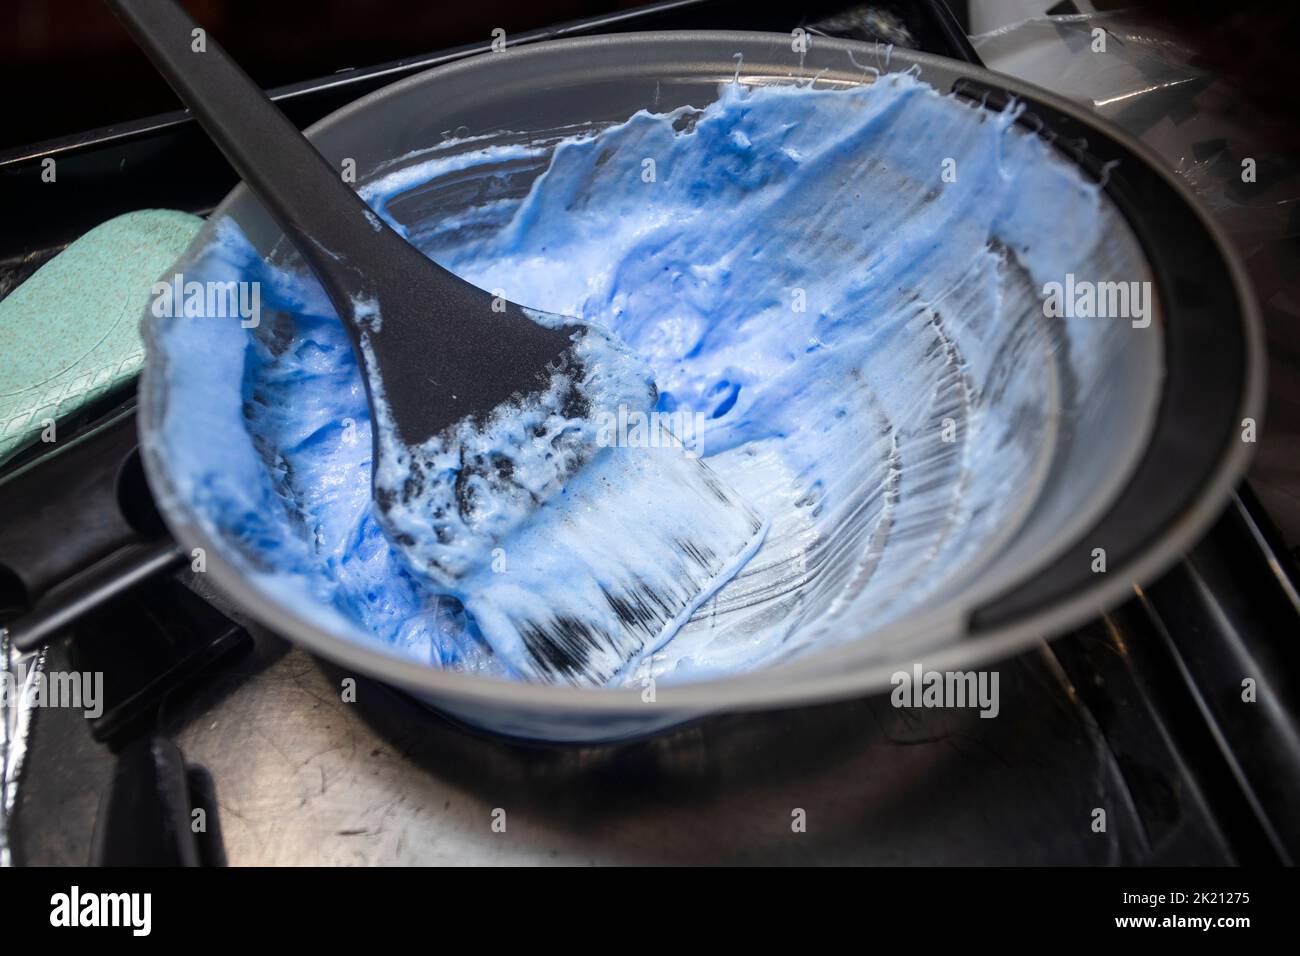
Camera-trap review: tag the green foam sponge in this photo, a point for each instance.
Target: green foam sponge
(71, 331)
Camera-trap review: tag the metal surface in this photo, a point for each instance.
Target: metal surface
(15, 725)
(379, 782)
(303, 778)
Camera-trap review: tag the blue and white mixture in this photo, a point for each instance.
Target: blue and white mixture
(855, 336)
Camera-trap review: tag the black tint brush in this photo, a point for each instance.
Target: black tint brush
(482, 413)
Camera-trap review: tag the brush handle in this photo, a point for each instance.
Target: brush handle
(320, 213)
(445, 349)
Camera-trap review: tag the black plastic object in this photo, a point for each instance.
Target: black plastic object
(79, 529)
(79, 538)
(1205, 360)
(57, 519)
(1229, 614)
(157, 811)
(158, 641)
(435, 348)
(106, 579)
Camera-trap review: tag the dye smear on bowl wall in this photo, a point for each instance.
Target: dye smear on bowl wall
(838, 292)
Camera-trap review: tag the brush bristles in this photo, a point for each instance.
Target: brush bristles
(608, 571)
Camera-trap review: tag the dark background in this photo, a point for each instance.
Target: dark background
(68, 66)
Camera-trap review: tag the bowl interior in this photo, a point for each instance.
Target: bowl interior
(978, 435)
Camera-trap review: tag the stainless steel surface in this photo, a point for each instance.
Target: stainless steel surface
(303, 778)
(611, 73)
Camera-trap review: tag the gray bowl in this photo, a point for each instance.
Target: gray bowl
(1131, 448)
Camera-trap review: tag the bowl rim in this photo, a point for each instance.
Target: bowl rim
(808, 678)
